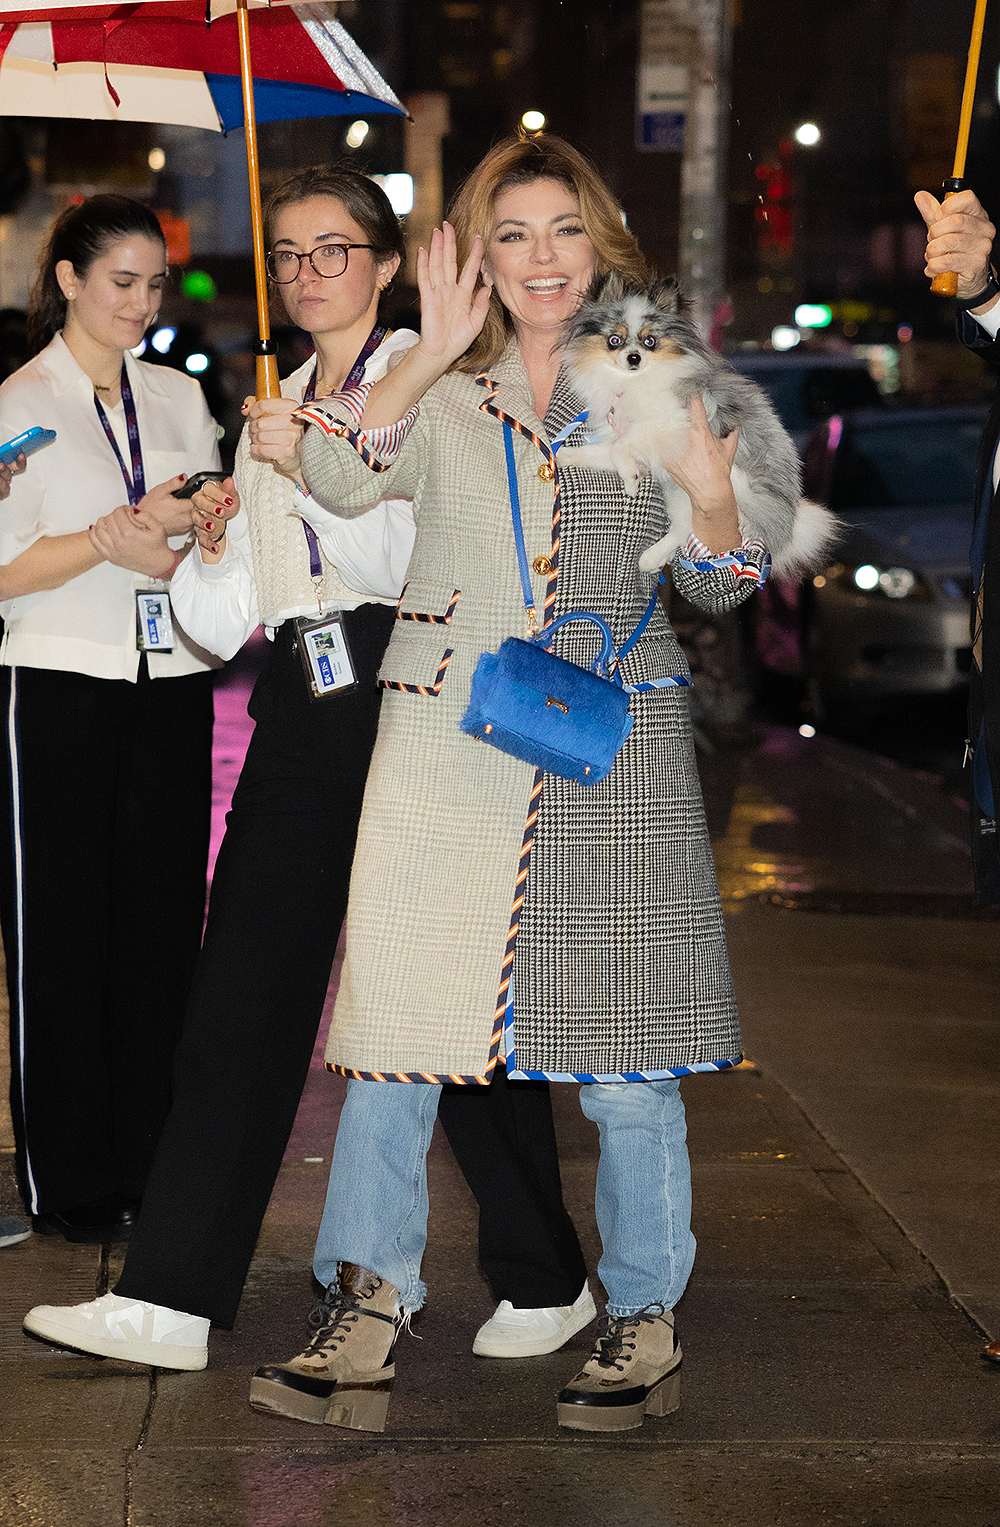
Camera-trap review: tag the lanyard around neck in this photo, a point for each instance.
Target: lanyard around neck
(354, 376)
(135, 486)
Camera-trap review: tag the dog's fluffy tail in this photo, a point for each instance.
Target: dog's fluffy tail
(815, 532)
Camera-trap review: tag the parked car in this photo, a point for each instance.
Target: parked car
(808, 386)
(890, 616)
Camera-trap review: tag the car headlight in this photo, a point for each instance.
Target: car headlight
(876, 581)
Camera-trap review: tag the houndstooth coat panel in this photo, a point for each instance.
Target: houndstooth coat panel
(492, 911)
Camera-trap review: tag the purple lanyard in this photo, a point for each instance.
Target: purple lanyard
(354, 376)
(135, 486)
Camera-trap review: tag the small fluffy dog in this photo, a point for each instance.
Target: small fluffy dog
(636, 359)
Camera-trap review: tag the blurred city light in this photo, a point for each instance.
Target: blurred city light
(813, 315)
(808, 134)
(139, 349)
(163, 339)
(904, 333)
(157, 159)
(784, 337)
(356, 134)
(197, 363)
(199, 286)
(805, 730)
(399, 189)
(534, 121)
(897, 582)
(866, 577)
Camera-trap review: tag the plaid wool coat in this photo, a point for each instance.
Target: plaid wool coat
(494, 912)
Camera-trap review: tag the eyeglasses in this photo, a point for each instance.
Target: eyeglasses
(328, 260)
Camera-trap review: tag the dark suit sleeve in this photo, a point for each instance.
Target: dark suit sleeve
(975, 337)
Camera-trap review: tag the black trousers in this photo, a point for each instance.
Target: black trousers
(102, 898)
(278, 900)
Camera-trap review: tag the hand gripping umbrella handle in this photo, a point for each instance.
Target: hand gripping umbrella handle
(946, 284)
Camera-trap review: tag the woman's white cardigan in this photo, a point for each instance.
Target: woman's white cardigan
(263, 574)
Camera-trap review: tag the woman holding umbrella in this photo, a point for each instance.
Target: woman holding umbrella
(280, 884)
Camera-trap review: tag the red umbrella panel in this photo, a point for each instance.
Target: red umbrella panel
(168, 51)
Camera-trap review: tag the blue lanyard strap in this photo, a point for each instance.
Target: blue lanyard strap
(522, 555)
(135, 486)
(515, 512)
(354, 376)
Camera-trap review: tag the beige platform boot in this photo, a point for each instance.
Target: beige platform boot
(634, 1371)
(344, 1376)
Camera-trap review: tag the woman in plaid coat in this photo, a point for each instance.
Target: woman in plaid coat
(500, 917)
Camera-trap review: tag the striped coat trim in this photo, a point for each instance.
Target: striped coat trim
(489, 406)
(434, 620)
(411, 1076)
(422, 689)
(371, 445)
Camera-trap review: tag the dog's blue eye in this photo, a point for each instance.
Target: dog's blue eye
(615, 341)
(650, 341)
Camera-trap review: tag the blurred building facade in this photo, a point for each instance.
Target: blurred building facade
(830, 223)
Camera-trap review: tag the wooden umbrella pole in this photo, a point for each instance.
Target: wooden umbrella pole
(946, 285)
(267, 366)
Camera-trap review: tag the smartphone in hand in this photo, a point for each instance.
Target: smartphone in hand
(25, 445)
(199, 480)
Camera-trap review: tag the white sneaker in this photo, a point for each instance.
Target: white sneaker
(129, 1329)
(510, 1332)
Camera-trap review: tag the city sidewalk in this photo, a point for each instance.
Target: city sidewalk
(842, 1195)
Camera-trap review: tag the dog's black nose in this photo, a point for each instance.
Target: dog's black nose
(634, 359)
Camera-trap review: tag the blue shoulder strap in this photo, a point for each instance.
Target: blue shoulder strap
(522, 555)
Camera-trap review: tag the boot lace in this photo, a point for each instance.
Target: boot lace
(332, 1317)
(613, 1349)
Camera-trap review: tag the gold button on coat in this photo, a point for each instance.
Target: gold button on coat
(542, 566)
(546, 472)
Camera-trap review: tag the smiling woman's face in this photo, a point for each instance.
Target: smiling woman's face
(538, 254)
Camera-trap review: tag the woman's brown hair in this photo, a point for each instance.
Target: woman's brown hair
(80, 234)
(366, 202)
(520, 161)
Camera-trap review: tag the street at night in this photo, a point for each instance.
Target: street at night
(367, 367)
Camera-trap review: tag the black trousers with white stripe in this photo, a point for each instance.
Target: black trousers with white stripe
(279, 893)
(102, 896)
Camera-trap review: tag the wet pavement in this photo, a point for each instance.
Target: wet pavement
(848, 1243)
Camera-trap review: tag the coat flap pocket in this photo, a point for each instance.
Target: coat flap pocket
(432, 603)
(416, 661)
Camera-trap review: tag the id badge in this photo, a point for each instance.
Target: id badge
(154, 627)
(326, 657)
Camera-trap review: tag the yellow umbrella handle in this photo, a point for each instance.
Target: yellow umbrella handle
(268, 385)
(946, 284)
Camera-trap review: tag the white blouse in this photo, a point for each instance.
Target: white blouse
(218, 602)
(88, 624)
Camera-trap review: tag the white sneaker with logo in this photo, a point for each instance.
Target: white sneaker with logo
(128, 1329)
(511, 1332)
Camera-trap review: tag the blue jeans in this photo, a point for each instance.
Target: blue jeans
(376, 1204)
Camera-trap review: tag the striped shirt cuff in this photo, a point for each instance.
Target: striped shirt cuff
(341, 415)
(751, 559)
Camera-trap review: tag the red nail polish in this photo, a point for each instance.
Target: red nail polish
(209, 524)
(227, 500)
(135, 508)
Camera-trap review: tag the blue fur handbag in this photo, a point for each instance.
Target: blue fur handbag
(538, 707)
(547, 711)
